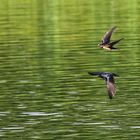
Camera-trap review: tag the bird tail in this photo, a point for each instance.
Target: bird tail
(115, 42)
(94, 73)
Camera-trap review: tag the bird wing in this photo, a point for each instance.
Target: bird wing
(111, 89)
(95, 73)
(107, 36)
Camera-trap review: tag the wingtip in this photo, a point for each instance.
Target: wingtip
(114, 27)
(94, 73)
(90, 73)
(114, 74)
(110, 95)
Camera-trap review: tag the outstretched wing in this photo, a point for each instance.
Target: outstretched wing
(111, 87)
(107, 36)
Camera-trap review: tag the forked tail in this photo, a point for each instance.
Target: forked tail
(115, 42)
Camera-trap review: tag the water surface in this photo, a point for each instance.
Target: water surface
(46, 50)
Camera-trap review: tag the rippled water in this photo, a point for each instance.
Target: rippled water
(46, 50)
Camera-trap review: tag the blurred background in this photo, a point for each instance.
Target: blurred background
(47, 48)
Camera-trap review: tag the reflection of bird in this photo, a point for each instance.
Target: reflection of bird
(106, 44)
(110, 83)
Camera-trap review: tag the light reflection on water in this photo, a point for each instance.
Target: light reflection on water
(40, 114)
(46, 52)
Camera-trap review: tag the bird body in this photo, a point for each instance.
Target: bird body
(105, 43)
(110, 83)
(106, 47)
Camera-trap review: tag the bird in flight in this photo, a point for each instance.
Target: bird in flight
(110, 82)
(105, 43)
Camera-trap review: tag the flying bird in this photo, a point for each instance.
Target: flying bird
(110, 82)
(105, 43)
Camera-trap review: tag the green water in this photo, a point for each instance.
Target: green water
(46, 49)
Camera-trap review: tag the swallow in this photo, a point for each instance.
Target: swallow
(110, 82)
(105, 43)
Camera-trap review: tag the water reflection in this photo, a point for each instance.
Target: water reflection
(39, 114)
